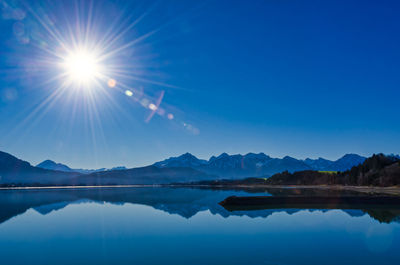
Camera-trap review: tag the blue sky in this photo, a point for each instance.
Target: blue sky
(299, 78)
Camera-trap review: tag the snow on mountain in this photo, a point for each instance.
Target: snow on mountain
(185, 160)
(254, 165)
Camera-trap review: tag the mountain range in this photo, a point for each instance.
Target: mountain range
(258, 165)
(49, 164)
(17, 171)
(378, 170)
(14, 171)
(184, 168)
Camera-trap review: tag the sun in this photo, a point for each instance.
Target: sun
(82, 67)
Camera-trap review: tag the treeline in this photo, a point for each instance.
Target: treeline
(378, 170)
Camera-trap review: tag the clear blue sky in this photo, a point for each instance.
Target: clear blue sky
(299, 78)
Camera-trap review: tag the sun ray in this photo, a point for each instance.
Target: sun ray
(81, 54)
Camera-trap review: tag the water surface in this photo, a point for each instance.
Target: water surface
(184, 226)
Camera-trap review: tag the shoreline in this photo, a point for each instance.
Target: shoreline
(78, 187)
(392, 190)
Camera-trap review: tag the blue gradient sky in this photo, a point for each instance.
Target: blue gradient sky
(298, 78)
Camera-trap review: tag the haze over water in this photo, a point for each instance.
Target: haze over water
(183, 226)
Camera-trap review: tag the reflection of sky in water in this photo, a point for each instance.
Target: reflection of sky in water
(105, 233)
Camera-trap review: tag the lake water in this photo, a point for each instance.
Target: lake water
(184, 226)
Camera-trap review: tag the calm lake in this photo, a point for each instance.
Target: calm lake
(185, 226)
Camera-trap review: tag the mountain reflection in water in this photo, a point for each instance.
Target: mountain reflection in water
(185, 202)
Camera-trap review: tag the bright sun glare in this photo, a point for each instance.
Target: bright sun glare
(81, 67)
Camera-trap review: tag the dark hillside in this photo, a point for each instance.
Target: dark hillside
(378, 170)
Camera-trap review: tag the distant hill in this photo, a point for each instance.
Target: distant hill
(346, 162)
(342, 164)
(14, 170)
(378, 170)
(19, 172)
(257, 165)
(49, 164)
(144, 175)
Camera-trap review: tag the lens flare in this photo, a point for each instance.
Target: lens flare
(111, 83)
(152, 106)
(79, 57)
